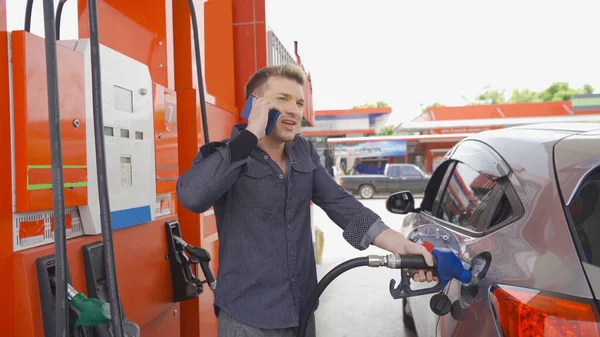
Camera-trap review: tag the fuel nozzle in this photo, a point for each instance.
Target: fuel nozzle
(449, 266)
(92, 311)
(199, 256)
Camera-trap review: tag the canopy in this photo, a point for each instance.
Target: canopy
(385, 148)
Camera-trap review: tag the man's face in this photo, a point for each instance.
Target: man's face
(288, 95)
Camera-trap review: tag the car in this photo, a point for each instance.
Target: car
(530, 196)
(396, 176)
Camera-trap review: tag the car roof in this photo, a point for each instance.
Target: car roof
(575, 157)
(564, 127)
(543, 133)
(570, 148)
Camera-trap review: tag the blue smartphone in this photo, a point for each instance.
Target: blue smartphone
(273, 115)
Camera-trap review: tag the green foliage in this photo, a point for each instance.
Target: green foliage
(380, 104)
(388, 130)
(561, 91)
(491, 97)
(557, 91)
(436, 104)
(524, 96)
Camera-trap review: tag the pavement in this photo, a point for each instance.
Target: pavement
(358, 302)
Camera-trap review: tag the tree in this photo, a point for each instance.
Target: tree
(433, 105)
(557, 91)
(364, 106)
(491, 97)
(380, 104)
(524, 96)
(388, 130)
(561, 91)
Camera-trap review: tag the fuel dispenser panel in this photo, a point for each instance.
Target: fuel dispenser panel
(33, 219)
(128, 128)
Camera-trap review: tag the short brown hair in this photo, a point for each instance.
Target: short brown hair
(287, 70)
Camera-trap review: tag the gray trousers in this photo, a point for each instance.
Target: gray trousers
(229, 327)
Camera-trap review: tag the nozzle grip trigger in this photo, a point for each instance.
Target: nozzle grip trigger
(403, 290)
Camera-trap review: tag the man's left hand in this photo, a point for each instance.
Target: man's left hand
(397, 243)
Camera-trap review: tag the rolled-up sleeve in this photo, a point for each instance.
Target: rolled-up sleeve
(360, 224)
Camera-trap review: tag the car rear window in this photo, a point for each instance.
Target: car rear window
(410, 171)
(393, 171)
(585, 213)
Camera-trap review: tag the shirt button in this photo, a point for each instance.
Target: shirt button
(291, 252)
(281, 176)
(289, 226)
(266, 157)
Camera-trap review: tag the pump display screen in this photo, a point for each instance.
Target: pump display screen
(123, 99)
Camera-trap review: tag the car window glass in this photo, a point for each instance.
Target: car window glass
(394, 171)
(466, 197)
(410, 171)
(433, 186)
(481, 158)
(585, 212)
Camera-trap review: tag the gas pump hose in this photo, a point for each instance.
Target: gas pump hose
(393, 261)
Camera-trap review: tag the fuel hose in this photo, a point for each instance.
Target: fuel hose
(199, 70)
(59, 9)
(28, 11)
(105, 219)
(58, 198)
(393, 261)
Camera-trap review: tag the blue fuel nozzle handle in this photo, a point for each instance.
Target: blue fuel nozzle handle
(447, 266)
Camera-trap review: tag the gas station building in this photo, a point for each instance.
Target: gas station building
(426, 139)
(342, 124)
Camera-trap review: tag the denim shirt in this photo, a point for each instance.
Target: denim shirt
(267, 267)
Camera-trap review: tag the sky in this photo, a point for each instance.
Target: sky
(414, 53)
(409, 53)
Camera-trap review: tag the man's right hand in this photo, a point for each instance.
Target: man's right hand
(259, 116)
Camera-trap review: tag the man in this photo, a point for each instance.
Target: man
(261, 187)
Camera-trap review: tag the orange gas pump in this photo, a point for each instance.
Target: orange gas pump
(94, 315)
(111, 117)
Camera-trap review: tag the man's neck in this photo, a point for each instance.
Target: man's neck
(273, 148)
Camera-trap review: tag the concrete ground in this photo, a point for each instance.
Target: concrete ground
(358, 302)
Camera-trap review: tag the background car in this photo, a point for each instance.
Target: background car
(396, 176)
(529, 195)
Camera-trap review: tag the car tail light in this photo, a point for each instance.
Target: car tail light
(524, 312)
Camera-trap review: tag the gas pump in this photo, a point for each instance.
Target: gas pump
(114, 199)
(61, 285)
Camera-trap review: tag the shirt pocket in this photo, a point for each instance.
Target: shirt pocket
(256, 187)
(303, 176)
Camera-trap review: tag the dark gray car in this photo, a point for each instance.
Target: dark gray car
(396, 177)
(530, 196)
